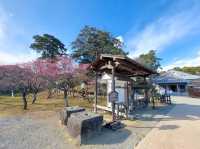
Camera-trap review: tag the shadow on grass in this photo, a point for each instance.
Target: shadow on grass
(11, 105)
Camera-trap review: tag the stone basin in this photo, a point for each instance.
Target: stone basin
(84, 125)
(67, 111)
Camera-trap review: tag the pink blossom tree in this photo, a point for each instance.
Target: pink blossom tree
(16, 78)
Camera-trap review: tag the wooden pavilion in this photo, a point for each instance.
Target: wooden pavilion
(121, 68)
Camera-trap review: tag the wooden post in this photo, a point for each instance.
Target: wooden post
(113, 89)
(113, 79)
(117, 111)
(96, 92)
(153, 97)
(132, 97)
(126, 98)
(146, 93)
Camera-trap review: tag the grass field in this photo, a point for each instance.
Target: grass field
(13, 105)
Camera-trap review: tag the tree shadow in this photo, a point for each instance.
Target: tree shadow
(108, 136)
(168, 127)
(182, 112)
(157, 114)
(162, 127)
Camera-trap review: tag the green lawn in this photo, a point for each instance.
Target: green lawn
(13, 105)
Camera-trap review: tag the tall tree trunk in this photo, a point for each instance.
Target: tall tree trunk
(57, 93)
(73, 92)
(146, 97)
(34, 97)
(24, 100)
(70, 92)
(49, 93)
(153, 101)
(65, 98)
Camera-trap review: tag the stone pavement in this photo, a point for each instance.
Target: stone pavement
(180, 129)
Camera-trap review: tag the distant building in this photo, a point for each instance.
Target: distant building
(175, 81)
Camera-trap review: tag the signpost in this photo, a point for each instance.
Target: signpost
(113, 96)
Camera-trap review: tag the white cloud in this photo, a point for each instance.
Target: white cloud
(9, 58)
(165, 31)
(11, 50)
(194, 61)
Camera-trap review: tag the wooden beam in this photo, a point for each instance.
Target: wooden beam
(107, 66)
(138, 68)
(141, 66)
(132, 71)
(123, 77)
(134, 65)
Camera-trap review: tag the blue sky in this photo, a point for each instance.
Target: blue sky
(172, 28)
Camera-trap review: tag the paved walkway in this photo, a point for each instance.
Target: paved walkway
(179, 130)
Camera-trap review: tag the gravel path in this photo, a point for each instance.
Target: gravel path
(29, 133)
(179, 130)
(42, 130)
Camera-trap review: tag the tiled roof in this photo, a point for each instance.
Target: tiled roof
(173, 76)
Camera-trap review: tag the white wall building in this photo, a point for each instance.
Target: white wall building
(175, 81)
